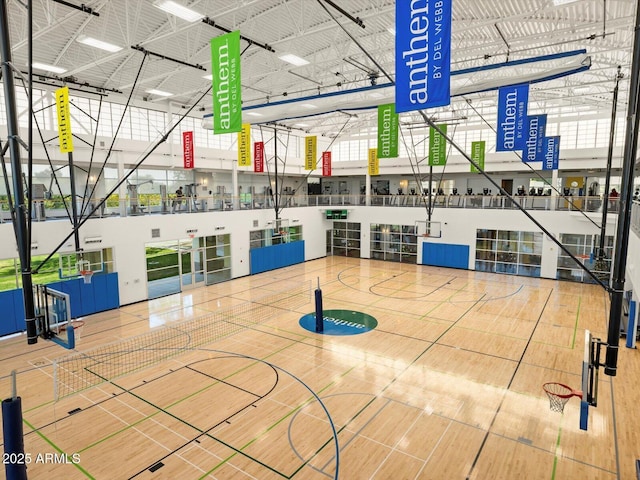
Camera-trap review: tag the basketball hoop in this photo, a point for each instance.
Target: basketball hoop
(76, 326)
(559, 394)
(86, 275)
(84, 269)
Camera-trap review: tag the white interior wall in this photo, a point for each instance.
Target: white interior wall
(633, 267)
(128, 235)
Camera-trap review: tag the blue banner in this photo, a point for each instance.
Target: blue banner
(423, 54)
(551, 147)
(534, 138)
(512, 116)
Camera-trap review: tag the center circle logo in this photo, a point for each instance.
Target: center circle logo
(340, 322)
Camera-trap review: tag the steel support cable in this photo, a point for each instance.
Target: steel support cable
(8, 188)
(266, 161)
(455, 127)
(418, 179)
(124, 178)
(428, 205)
(115, 135)
(516, 204)
(306, 177)
(85, 204)
(46, 152)
(535, 172)
(356, 42)
(284, 167)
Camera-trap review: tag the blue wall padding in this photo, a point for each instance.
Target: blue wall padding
(113, 292)
(445, 255)
(276, 256)
(11, 309)
(99, 295)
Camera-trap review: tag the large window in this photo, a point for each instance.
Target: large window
(346, 239)
(274, 236)
(218, 258)
(580, 130)
(163, 268)
(394, 243)
(507, 251)
(58, 266)
(586, 249)
(178, 264)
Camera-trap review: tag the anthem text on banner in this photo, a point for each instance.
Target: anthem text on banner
(423, 54)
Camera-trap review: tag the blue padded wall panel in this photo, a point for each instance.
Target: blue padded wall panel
(87, 296)
(112, 292)
(72, 287)
(8, 317)
(276, 256)
(18, 310)
(445, 255)
(100, 294)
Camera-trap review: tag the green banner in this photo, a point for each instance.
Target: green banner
(387, 131)
(477, 155)
(437, 147)
(227, 95)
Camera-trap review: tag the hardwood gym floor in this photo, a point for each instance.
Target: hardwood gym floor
(448, 386)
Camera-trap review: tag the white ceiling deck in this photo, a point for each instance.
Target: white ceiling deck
(485, 32)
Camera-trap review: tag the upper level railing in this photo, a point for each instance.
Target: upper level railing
(48, 210)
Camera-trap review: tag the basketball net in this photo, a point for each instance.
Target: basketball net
(559, 394)
(84, 269)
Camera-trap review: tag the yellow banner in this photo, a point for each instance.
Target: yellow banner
(64, 120)
(374, 162)
(244, 144)
(310, 153)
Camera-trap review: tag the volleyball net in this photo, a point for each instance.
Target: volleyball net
(82, 370)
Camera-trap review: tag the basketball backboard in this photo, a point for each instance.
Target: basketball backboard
(71, 264)
(429, 229)
(53, 315)
(590, 368)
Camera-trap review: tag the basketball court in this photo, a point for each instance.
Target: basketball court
(447, 385)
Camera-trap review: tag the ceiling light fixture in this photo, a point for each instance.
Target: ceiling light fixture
(558, 3)
(308, 105)
(160, 93)
(208, 77)
(254, 114)
(48, 68)
(102, 45)
(293, 59)
(178, 10)
(582, 89)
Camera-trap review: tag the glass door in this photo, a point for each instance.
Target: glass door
(192, 264)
